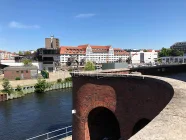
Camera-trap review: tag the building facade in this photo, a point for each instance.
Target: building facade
(22, 72)
(4, 55)
(144, 57)
(52, 43)
(48, 58)
(176, 59)
(97, 54)
(181, 46)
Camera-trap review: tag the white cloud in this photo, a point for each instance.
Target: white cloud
(15, 24)
(85, 15)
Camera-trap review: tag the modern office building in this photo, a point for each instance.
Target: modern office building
(49, 58)
(181, 46)
(52, 43)
(97, 54)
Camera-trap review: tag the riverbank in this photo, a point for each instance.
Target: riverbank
(31, 82)
(31, 89)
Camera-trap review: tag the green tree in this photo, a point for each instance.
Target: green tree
(175, 52)
(144, 50)
(20, 53)
(7, 88)
(170, 52)
(41, 86)
(27, 62)
(89, 66)
(27, 53)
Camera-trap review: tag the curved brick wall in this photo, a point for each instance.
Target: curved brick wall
(130, 98)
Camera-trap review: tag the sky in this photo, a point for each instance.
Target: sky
(135, 24)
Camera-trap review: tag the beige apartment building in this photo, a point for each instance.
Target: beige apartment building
(52, 43)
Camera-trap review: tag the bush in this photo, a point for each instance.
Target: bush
(89, 66)
(27, 62)
(59, 80)
(17, 78)
(68, 79)
(19, 90)
(7, 88)
(41, 86)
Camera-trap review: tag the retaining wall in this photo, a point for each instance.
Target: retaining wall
(31, 89)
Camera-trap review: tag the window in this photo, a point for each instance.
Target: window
(17, 71)
(26, 71)
(21, 71)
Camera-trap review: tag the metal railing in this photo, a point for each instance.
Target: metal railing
(66, 131)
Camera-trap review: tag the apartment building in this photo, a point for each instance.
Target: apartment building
(52, 43)
(98, 54)
(4, 55)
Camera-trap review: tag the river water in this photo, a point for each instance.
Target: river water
(35, 114)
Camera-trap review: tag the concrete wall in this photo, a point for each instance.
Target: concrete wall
(129, 98)
(114, 65)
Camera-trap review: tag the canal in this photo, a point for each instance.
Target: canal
(35, 114)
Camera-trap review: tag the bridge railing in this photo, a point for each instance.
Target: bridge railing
(56, 134)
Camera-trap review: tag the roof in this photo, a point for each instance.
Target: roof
(21, 68)
(81, 49)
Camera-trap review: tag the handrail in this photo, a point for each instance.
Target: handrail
(67, 131)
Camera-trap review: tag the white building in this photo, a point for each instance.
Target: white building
(144, 57)
(4, 55)
(174, 59)
(98, 54)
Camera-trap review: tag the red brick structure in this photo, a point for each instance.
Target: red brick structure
(112, 106)
(3, 97)
(22, 72)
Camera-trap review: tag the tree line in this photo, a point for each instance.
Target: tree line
(170, 52)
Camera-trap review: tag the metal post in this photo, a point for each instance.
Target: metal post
(66, 131)
(47, 136)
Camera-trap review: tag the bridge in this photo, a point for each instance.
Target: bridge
(126, 106)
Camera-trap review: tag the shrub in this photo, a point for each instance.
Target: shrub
(27, 62)
(68, 79)
(89, 66)
(41, 86)
(17, 78)
(59, 80)
(19, 90)
(7, 88)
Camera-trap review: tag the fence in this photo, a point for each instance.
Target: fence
(56, 134)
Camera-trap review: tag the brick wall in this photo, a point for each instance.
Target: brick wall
(13, 74)
(130, 99)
